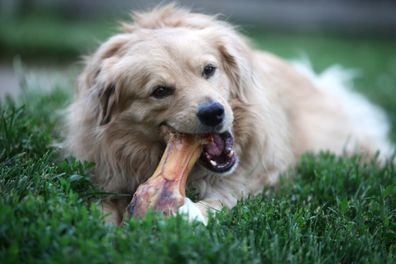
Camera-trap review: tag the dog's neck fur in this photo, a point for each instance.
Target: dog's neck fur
(137, 151)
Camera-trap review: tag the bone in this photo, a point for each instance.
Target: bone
(165, 191)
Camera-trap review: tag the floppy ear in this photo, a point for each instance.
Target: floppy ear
(107, 101)
(111, 49)
(93, 77)
(235, 54)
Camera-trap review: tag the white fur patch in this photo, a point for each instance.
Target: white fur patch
(367, 119)
(192, 211)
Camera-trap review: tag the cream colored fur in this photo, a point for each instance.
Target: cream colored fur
(276, 111)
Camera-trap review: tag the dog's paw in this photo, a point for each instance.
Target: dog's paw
(192, 211)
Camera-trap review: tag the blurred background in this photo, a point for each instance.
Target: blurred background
(42, 41)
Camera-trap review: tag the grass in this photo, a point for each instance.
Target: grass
(334, 210)
(43, 37)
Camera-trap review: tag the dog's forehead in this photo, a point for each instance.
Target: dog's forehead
(174, 43)
(176, 35)
(161, 54)
(165, 50)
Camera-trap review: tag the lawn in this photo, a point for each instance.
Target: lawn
(334, 210)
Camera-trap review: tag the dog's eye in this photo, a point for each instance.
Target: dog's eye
(208, 71)
(162, 92)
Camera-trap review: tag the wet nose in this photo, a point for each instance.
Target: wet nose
(211, 114)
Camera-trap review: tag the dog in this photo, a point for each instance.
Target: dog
(197, 74)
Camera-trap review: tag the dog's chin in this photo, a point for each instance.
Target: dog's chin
(218, 156)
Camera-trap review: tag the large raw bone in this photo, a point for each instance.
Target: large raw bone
(165, 191)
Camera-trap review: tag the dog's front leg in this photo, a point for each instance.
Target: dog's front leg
(218, 192)
(199, 211)
(113, 210)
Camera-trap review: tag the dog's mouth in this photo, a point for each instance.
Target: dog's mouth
(219, 155)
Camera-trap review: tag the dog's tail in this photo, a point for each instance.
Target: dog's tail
(368, 120)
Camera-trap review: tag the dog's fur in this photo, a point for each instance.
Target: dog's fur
(275, 110)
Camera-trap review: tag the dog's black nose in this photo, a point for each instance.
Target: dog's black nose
(211, 114)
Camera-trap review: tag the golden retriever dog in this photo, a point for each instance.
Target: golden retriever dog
(196, 74)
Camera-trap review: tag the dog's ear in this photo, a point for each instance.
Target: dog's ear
(95, 78)
(107, 100)
(110, 50)
(235, 54)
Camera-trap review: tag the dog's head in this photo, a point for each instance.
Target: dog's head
(172, 68)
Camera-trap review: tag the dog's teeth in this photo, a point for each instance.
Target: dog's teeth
(214, 163)
(230, 154)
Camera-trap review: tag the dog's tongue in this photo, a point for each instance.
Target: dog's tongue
(216, 147)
